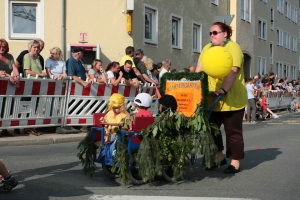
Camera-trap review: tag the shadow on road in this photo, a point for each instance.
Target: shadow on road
(65, 180)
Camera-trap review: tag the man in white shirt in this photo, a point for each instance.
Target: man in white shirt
(251, 107)
(166, 66)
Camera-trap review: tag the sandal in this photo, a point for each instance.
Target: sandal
(31, 132)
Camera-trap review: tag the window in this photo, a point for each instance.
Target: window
(287, 40)
(261, 65)
(262, 29)
(176, 31)
(288, 9)
(245, 10)
(279, 37)
(272, 19)
(150, 25)
(196, 37)
(280, 6)
(279, 69)
(25, 19)
(293, 72)
(286, 70)
(271, 53)
(294, 44)
(294, 14)
(216, 2)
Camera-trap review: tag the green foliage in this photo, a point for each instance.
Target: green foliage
(87, 153)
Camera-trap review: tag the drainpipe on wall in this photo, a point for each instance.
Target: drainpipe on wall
(63, 29)
(228, 7)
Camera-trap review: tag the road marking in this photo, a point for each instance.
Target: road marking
(293, 123)
(275, 123)
(128, 197)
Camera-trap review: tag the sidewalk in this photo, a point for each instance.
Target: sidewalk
(44, 139)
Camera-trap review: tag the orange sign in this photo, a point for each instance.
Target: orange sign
(187, 94)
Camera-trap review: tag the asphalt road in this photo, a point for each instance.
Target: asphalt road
(270, 170)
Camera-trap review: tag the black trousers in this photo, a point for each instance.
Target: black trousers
(233, 125)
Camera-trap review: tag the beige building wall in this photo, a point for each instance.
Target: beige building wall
(105, 22)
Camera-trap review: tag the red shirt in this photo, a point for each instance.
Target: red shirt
(144, 113)
(264, 105)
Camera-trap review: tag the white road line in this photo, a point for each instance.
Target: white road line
(275, 123)
(293, 123)
(128, 197)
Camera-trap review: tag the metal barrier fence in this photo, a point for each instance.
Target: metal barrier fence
(47, 102)
(279, 99)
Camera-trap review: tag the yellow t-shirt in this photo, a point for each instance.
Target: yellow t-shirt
(126, 57)
(110, 117)
(236, 97)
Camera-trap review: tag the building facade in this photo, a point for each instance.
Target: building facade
(163, 29)
(173, 29)
(269, 37)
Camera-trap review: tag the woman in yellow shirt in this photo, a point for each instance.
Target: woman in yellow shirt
(230, 109)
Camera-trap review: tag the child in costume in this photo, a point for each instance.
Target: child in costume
(115, 115)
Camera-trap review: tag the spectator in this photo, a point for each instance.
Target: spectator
(7, 66)
(279, 85)
(173, 71)
(285, 83)
(8, 181)
(152, 73)
(19, 60)
(111, 70)
(264, 106)
(294, 106)
(55, 65)
(75, 68)
(129, 54)
(31, 61)
(166, 66)
(251, 107)
(97, 72)
(129, 77)
(139, 60)
(159, 68)
(259, 84)
(190, 69)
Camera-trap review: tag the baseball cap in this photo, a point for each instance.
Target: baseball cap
(143, 99)
(139, 51)
(256, 77)
(77, 49)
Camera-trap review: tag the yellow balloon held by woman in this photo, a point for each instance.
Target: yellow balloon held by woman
(217, 62)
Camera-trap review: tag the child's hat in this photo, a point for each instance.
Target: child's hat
(168, 101)
(143, 99)
(116, 100)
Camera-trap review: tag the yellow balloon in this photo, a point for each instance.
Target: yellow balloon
(217, 62)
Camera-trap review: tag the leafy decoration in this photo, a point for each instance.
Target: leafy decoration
(87, 153)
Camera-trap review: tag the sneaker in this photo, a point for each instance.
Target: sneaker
(8, 185)
(252, 122)
(31, 131)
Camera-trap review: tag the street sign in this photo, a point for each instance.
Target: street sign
(83, 37)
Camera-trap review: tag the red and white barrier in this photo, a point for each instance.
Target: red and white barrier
(83, 102)
(36, 102)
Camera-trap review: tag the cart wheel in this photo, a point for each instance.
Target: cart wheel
(134, 174)
(168, 174)
(107, 171)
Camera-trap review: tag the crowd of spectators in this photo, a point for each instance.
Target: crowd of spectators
(134, 68)
(258, 88)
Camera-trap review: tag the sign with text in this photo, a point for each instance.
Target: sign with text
(187, 94)
(83, 37)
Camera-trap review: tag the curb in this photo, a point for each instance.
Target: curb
(41, 140)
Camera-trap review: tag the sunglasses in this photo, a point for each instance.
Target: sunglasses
(214, 33)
